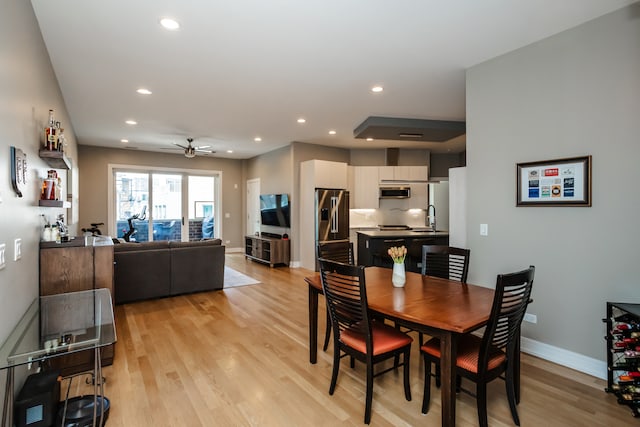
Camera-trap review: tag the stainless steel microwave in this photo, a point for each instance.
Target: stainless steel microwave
(395, 192)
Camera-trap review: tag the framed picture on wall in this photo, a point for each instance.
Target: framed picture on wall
(561, 182)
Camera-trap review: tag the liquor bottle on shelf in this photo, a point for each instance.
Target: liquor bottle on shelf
(50, 133)
(61, 139)
(56, 143)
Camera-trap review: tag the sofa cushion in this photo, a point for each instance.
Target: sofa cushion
(196, 267)
(141, 274)
(195, 244)
(140, 246)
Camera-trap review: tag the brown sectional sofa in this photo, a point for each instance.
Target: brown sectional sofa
(159, 269)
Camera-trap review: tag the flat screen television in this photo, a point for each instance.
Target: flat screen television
(274, 210)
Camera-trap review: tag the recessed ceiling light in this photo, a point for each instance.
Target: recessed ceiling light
(377, 89)
(229, 151)
(131, 122)
(369, 139)
(170, 24)
(124, 140)
(302, 120)
(143, 91)
(332, 132)
(257, 139)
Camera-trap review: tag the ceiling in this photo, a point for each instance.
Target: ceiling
(241, 69)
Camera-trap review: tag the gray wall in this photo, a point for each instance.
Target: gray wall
(574, 94)
(440, 163)
(94, 161)
(28, 89)
(377, 157)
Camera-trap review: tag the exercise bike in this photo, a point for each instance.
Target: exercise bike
(128, 235)
(94, 230)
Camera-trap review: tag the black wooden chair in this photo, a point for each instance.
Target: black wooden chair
(497, 352)
(334, 251)
(447, 262)
(355, 334)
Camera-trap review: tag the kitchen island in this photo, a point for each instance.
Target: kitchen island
(373, 246)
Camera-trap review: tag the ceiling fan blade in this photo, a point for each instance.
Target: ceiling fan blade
(181, 146)
(201, 147)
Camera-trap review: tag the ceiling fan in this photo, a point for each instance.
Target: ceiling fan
(190, 150)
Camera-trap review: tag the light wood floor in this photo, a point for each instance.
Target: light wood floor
(239, 357)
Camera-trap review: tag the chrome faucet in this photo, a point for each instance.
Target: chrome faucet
(430, 221)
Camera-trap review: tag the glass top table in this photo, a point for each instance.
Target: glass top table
(58, 325)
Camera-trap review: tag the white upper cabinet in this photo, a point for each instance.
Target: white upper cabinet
(403, 173)
(329, 174)
(365, 187)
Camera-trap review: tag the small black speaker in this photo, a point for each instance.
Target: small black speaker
(37, 402)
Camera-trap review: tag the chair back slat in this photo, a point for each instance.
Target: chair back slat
(336, 251)
(447, 262)
(344, 290)
(512, 296)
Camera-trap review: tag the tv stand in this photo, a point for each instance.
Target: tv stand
(267, 250)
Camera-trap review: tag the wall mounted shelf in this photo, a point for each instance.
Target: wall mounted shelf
(54, 204)
(55, 159)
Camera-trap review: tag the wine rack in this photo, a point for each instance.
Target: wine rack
(623, 353)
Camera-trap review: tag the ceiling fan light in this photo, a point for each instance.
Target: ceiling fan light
(189, 154)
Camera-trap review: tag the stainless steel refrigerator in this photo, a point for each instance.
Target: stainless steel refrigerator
(332, 215)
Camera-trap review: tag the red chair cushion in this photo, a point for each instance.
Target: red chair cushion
(468, 353)
(385, 338)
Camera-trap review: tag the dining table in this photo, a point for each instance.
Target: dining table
(438, 307)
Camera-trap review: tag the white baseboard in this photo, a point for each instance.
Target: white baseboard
(560, 356)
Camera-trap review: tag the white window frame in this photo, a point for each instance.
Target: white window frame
(115, 167)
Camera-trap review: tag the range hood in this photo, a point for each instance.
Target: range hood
(399, 129)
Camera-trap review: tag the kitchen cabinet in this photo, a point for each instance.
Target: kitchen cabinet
(373, 246)
(70, 267)
(418, 199)
(403, 173)
(364, 193)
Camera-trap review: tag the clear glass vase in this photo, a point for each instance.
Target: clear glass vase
(398, 276)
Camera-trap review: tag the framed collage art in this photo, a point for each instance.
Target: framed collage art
(561, 182)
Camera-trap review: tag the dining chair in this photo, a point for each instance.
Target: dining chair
(497, 352)
(341, 251)
(448, 262)
(355, 333)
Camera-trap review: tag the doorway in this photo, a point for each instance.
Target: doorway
(253, 206)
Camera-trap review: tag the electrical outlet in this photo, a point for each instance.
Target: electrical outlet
(2, 261)
(531, 318)
(17, 249)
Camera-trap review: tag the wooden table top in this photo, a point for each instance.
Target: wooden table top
(425, 300)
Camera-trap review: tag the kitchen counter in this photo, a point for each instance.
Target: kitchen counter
(403, 233)
(374, 244)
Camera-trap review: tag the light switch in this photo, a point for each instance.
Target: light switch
(2, 261)
(484, 229)
(17, 249)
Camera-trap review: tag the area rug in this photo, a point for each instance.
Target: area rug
(233, 278)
